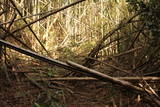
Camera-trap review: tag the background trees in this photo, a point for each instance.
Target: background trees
(118, 38)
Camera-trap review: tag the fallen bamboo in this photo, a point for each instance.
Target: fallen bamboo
(78, 68)
(112, 66)
(36, 55)
(127, 52)
(152, 79)
(104, 77)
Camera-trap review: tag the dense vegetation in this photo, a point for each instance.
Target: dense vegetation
(119, 39)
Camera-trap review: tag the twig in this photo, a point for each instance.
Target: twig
(138, 34)
(34, 82)
(127, 52)
(112, 66)
(12, 21)
(152, 73)
(151, 94)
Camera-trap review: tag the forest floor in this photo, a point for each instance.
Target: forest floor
(20, 91)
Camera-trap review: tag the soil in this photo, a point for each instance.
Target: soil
(19, 91)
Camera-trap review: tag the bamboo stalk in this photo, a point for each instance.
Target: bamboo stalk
(94, 79)
(49, 14)
(104, 77)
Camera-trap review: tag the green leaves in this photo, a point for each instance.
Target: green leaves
(51, 72)
(38, 105)
(150, 15)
